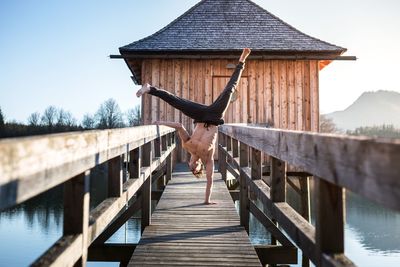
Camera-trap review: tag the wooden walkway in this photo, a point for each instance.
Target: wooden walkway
(184, 232)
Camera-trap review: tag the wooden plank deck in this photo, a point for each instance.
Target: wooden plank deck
(184, 232)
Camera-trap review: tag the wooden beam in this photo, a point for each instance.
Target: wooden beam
(146, 189)
(232, 171)
(65, 252)
(30, 166)
(271, 254)
(118, 222)
(235, 194)
(269, 225)
(244, 191)
(112, 253)
(369, 167)
(252, 57)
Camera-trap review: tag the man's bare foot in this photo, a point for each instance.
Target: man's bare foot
(245, 53)
(210, 203)
(145, 89)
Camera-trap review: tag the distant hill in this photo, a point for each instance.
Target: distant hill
(370, 109)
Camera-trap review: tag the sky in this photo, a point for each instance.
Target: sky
(56, 52)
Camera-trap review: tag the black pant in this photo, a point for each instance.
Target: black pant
(212, 114)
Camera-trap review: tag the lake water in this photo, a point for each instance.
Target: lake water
(372, 233)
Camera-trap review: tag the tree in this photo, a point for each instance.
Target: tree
(133, 116)
(65, 118)
(326, 125)
(109, 115)
(88, 121)
(33, 119)
(49, 116)
(1, 123)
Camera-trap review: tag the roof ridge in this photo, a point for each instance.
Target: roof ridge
(292, 27)
(168, 25)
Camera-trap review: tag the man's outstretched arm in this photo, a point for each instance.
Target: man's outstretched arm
(183, 134)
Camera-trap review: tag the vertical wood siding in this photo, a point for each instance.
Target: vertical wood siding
(281, 93)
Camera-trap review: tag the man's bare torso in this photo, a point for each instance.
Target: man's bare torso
(202, 142)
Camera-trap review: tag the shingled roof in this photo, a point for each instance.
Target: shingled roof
(229, 25)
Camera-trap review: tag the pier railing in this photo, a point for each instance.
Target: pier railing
(261, 159)
(30, 166)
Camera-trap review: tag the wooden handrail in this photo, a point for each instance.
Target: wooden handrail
(367, 166)
(31, 165)
(363, 165)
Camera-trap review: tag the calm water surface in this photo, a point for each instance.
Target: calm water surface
(26, 231)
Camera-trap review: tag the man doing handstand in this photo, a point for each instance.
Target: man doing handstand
(201, 144)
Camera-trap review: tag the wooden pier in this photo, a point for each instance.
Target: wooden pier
(256, 165)
(185, 232)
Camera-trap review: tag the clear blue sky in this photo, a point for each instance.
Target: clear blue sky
(56, 52)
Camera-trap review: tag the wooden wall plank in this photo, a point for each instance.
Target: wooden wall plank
(268, 104)
(260, 91)
(185, 94)
(146, 99)
(208, 82)
(299, 94)
(155, 81)
(251, 65)
(314, 99)
(161, 114)
(306, 98)
(170, 85)
(276, 94)
(291, 98)
(283, 88)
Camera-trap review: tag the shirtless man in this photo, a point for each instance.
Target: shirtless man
(201, 145)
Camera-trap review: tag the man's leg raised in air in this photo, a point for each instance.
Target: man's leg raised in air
(220, 105)
(189, 108)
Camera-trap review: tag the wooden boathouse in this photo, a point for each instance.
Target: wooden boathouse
(193, 57)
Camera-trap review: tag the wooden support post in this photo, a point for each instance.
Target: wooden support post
(228, 147)
(157, 144)
(146, 188)
(115, 177)
(278, 180)
(135, 163)
(222, 159)
(305, 207)
(256, 164)
(76, 210)
(329, 225)
(235, 148)
(164, 145)
(169, 168)
(244, 194)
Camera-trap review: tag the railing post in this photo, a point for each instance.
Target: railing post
(256, 164)
(244, 194)
(146, 187)
(157, 144)
(305, 208)
(278, 180)
(228, 145)
(235, 148)
(169, 168)
(115, 177)
(329, 225)
(135, 163)
(222, 158)
(76, 210)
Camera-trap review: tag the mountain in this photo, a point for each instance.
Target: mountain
(370, 109)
